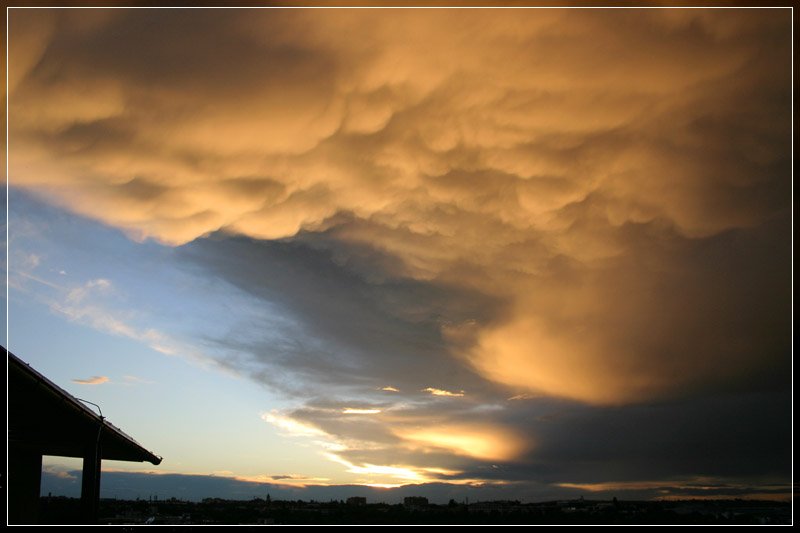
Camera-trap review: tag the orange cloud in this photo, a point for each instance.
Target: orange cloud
(356, 411)
(514, 153)
(442, 392)
(292, 426)
(492, 443)
(291, 128)
(94, 380)
(403, 448)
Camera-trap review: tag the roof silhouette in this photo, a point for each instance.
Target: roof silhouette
(43, 414)
(44, 419)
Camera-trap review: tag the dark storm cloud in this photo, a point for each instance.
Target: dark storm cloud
(726, 427)
(359, 332)
(721, 436)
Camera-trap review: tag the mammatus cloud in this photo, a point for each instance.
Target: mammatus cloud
(94, 380)
(498, 151)
(589, 206)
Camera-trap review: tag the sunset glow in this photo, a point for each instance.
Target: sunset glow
(532, 252)
(489, 443)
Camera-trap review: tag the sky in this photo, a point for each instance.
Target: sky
(529, 252)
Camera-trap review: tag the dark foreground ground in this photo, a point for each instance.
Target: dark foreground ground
(59, 510)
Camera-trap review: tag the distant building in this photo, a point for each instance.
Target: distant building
(415, 502)
(356, 500)
(498, 506)
(44, 419)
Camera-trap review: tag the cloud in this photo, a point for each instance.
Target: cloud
(30, 262)
(473, 441)
(522, 397)
(440, 392)
(130, 485)
(342, 330)
(87, 304)
(135, 380)
(94, 380)
(286, 480)
(290, 426)
(93, 304)
(463, 156)
(59, 472)
(401, 445)
(587, 210)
